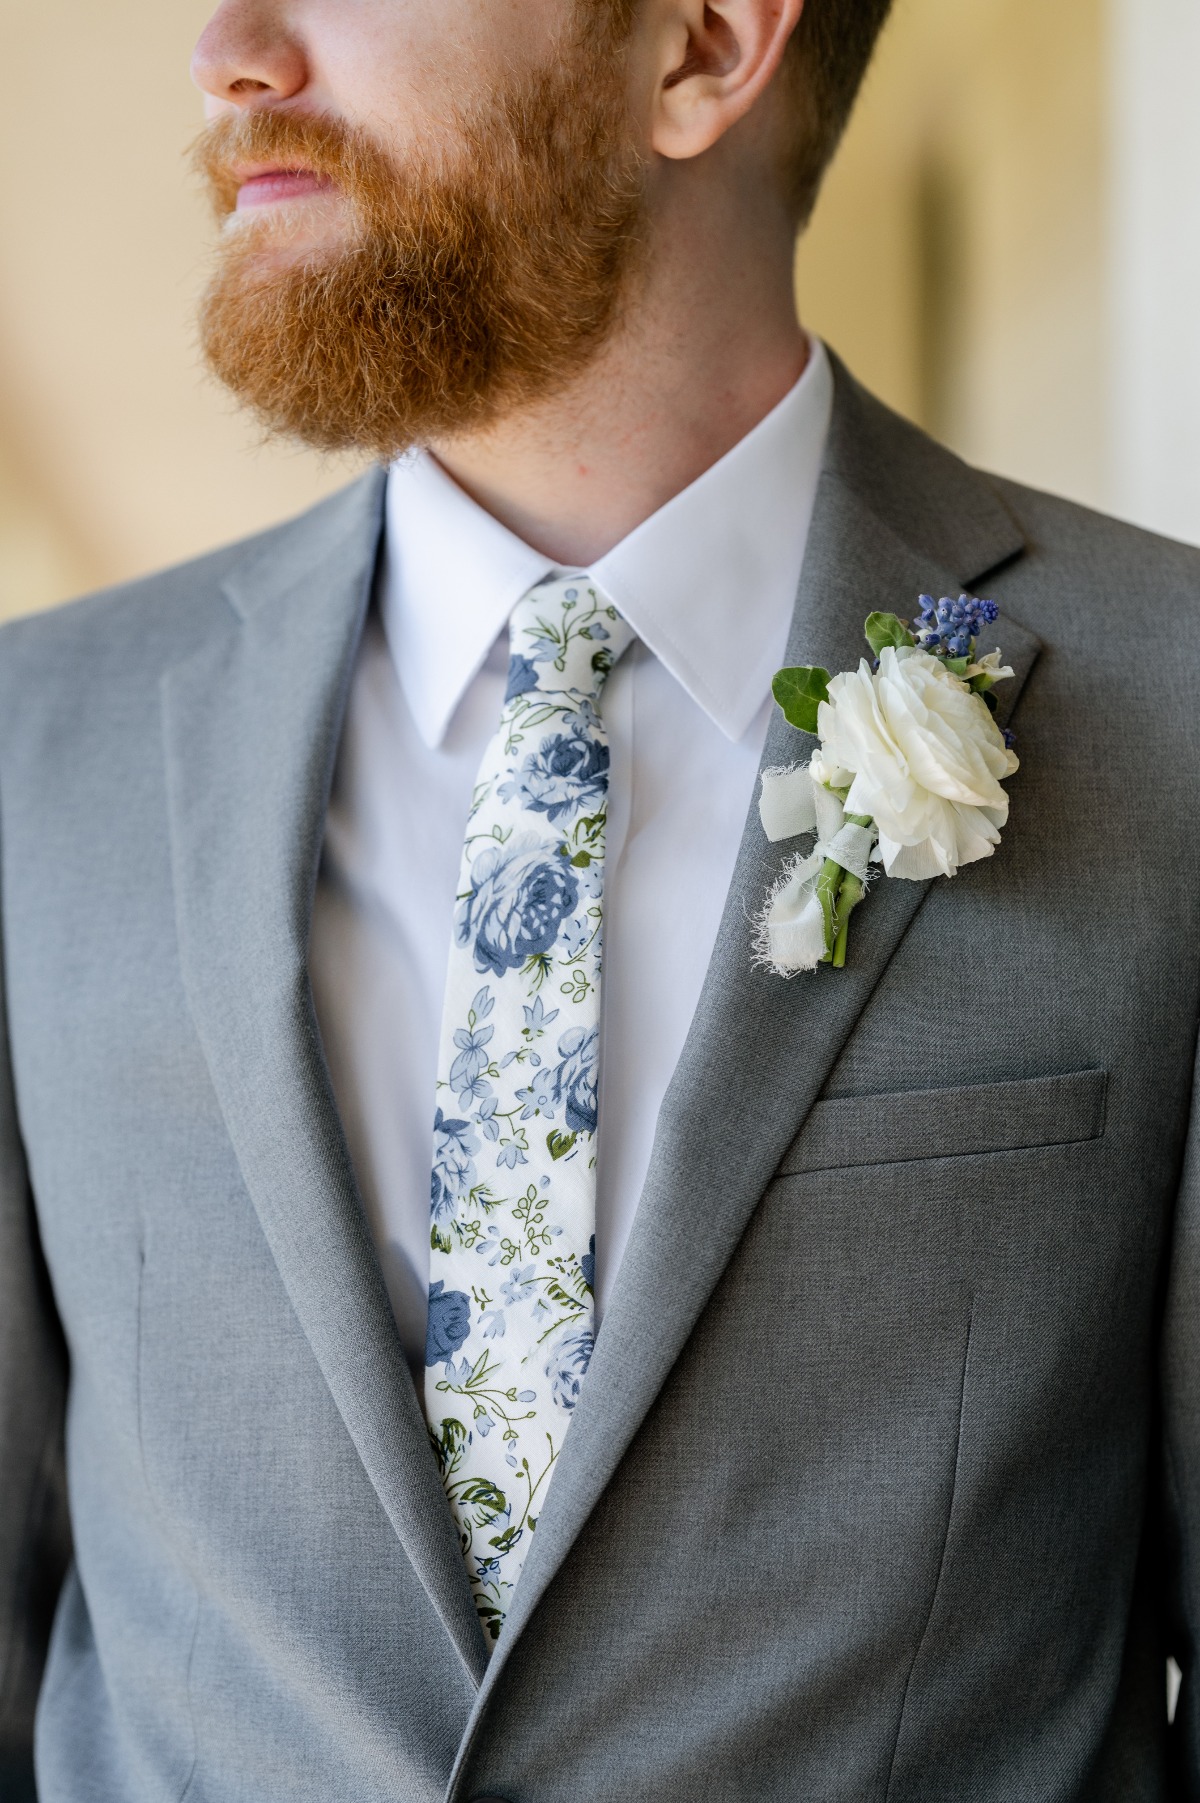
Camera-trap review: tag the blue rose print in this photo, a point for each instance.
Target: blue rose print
(574, 1082)
(455, 1144)
(567, 1365)
(587, 1264)
(567, 774)
(520, 895)
(449, 1323)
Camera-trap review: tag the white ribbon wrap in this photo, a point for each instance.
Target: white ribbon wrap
(787, 805)
(791, 929)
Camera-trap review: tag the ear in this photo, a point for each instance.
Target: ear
(715, 59)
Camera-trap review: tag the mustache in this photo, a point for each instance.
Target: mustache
(329, 147)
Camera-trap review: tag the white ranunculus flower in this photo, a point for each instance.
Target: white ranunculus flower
(922, 756)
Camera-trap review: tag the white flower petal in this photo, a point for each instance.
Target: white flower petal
(927, 761)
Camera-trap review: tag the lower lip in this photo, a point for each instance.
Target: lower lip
(283, 184)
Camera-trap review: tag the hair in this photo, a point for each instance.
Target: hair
(822, 72)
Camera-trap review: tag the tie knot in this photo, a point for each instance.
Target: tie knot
(564, 637)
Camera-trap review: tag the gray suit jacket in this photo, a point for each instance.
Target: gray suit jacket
(885, 1482)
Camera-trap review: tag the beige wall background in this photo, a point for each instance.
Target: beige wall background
(958, 255)
(966, 260)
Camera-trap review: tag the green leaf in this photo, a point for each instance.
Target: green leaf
(799, 693)
(486, 1497)
(559, 1144)
(886, 629)
(448, 1444)
(957, 666)
(505, 1542)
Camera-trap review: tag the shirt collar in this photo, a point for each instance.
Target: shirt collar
(451, 576)
(708, 583)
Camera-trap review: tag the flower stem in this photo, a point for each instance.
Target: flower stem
(828, 884)
(849, 896)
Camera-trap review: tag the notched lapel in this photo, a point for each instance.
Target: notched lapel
(251, 725)
(760, 1047)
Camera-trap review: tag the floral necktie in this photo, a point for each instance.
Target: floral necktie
(513, 1196)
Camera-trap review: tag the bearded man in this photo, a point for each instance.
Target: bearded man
(783, 1387)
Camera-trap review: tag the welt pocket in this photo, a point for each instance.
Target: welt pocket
(843, 1131)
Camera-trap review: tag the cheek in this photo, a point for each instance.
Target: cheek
(386, 65)
(404, 68)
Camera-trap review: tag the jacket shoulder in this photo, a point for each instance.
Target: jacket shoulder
(1115, 550)
(156, 618)
(937, 502)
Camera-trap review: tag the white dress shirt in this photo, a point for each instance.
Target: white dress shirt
(708, 584)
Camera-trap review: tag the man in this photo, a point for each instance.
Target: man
(785, 1387)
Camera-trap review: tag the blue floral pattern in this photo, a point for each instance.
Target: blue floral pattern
(567, 772)
(449, 1323)
(513, 1190)
(520, 895)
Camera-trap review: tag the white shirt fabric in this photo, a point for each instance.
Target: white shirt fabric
(708, 584)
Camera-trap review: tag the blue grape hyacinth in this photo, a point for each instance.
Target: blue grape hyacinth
(949, 628)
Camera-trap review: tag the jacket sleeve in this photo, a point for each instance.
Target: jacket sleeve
(1181, 1473)
(34, 1540)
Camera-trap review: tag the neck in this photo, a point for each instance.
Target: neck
(707, 345)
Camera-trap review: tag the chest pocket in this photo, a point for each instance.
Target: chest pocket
(843, 1131)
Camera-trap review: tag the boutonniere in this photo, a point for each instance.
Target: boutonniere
(908, 775)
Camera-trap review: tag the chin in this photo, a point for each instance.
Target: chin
(286, 230)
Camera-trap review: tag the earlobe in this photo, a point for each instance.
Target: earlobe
(719, 56)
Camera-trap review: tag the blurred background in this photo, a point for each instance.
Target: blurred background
(1008, 250)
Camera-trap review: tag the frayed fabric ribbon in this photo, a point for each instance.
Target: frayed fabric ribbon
(790, 932)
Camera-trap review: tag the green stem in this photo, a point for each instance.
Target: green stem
(828, 884)
(850, 893)
(849, 896)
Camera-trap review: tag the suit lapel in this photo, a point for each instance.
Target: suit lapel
(760, 1048)
(252, 723)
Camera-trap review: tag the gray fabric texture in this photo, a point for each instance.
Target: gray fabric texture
(885, 1481)
(840, 1131)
